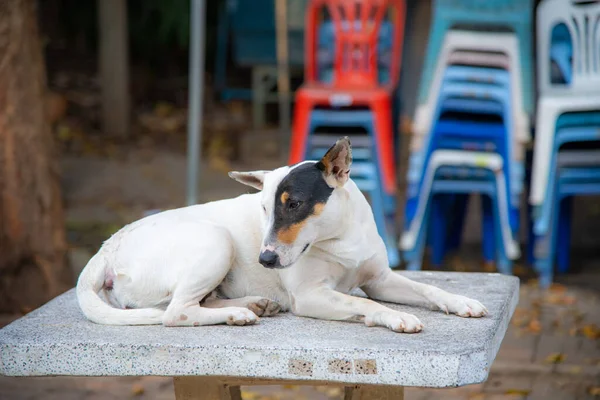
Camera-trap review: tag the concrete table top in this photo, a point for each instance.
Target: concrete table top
(57, 339)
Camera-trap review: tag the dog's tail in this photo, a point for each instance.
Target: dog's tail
(96, 310)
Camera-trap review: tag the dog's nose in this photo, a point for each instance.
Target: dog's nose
(269, 259)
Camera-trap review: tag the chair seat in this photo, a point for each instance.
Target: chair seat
(343, 97)
(473, 106)
(578, 119)
(469, 130)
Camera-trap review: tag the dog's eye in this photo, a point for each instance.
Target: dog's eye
(292, 205)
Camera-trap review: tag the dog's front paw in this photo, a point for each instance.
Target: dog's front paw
(461, 306)
(396, 321)
(241, 316)
(264, 307)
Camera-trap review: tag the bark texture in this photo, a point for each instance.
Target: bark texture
(32, 233)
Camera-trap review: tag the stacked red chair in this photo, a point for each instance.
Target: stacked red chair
(358, 97)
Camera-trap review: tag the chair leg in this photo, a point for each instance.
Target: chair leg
(460, 211)
(439, 225)
(205, 388)
(414, 257)
(530, 238)
(563, 243)
(545, 244)
(488, 228)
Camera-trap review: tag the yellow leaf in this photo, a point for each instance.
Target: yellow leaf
(594, 391)
(246, 395)
(591, 332)
(520, 392)
(556, 358)
(291, 387)
(137, 390)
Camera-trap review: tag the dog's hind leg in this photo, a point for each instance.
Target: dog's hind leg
(260, 306)
(192, 314)
(202, 268)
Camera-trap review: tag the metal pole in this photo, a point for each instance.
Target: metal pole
(196, 95)
(283, 70)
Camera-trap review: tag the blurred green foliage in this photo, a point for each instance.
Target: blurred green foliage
(159, 29)
(158, 24)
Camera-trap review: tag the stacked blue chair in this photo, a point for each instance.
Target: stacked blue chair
(566, 158)
(470, 128)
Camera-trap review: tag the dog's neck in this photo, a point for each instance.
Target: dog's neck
(347, 244)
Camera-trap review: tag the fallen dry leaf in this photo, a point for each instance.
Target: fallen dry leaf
(594, 391)
(26, 309)
(291, 387)
(591, 332)
(558, 288)
(556, 323)
(555, 358)
(405, 125)
(137, 390)
(534, 283)
(519, 392)
(489, 266)
(534, 326)
(520, 270)
(573, 331)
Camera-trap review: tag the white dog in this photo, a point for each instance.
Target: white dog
(301, 244)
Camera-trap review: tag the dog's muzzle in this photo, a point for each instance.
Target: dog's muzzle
(269, 259)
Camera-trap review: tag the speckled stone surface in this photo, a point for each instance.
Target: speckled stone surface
(451, 351)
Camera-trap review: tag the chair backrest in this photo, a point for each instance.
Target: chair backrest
(582, 20)
(357, 25)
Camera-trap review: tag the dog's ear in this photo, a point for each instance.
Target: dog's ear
(252, 178)
(335, 164)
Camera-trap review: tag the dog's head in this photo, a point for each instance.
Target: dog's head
(301, 204)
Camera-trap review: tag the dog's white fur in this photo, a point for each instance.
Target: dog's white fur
(162, 266)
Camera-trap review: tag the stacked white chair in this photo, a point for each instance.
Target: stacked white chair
(568, 111)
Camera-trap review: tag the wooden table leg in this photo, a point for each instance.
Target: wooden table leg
(223, 388)
(373, 392)
(204, 388)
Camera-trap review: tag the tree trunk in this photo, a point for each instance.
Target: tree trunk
(32, 235)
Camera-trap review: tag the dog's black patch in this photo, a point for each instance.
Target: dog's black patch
(302, 193)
